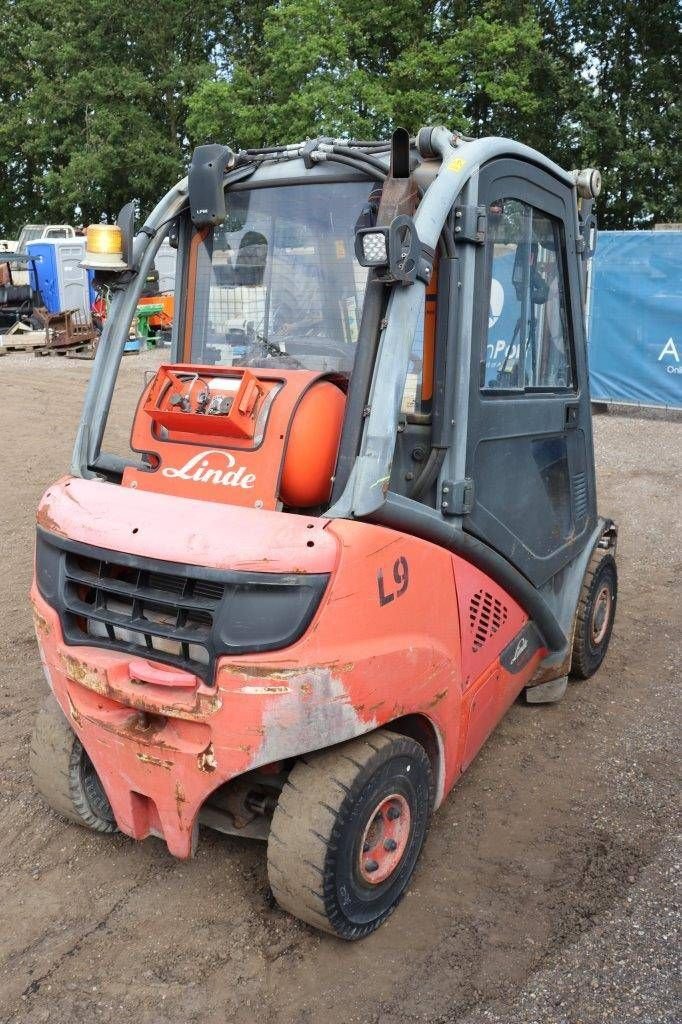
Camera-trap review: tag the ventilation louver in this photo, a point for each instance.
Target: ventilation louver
(579, 495)
(486, 615)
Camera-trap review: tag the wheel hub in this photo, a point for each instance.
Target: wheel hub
(601, 614)
(384, 840)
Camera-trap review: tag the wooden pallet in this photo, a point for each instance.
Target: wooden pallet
(84, 351)
(21, 342)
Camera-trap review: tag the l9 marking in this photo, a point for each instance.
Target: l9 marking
(401, 575)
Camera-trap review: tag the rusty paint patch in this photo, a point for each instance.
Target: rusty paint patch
(259, 671)
(41, 624)
(73, 710)
(82, 673)
(206, 761)
(280, 673)
(92, 679)
(255, 690)
(437, 698)
(306, 689)
(180, 799)
(158, 761)
(47, 522)
(547, 673)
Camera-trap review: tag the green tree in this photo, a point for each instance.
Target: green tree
(630, 120)
(96, 101)
(346, 67)
(103, 101)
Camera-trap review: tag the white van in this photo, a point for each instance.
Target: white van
(34, 232)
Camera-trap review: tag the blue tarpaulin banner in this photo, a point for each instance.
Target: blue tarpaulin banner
(635, 318)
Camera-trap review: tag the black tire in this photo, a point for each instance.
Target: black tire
(64, 774)
(595, 615)
(331, 803)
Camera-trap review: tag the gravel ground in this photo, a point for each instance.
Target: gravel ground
(546, 890)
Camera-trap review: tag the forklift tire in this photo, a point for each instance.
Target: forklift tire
(595, 616)
(64, 774)
(347, 831)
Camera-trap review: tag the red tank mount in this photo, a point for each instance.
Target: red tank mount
(249, 437)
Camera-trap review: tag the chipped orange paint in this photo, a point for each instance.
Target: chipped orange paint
(158, 761)
(360, 665)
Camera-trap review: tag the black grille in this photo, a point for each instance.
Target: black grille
(156, 614)
(183, 615)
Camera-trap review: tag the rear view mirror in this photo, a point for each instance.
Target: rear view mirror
(205, 183)
(126, 222)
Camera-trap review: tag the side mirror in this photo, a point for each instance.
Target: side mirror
(126, 222)
(205, 181)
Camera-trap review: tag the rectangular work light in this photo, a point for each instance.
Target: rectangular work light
(397, 249)
(374, 248)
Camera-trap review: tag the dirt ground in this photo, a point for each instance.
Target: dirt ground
(546, 889)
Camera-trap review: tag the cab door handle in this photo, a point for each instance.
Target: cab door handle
(571, 414)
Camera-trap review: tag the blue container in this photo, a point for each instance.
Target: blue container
(43, 274)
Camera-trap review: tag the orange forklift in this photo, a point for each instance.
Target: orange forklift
(357, 517)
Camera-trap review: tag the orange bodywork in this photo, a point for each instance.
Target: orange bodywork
(398, 633)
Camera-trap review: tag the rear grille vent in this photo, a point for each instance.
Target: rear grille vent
(150, 613)
(184, 615)
(579, 496)
(486, 615)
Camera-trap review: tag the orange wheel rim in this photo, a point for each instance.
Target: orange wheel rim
(385, 839)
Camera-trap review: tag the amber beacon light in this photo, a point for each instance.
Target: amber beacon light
(104, 247)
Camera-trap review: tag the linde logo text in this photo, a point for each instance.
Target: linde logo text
(199, 470)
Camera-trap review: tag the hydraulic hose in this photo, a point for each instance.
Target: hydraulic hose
(366, 158)
(429, 473)
(356, 162)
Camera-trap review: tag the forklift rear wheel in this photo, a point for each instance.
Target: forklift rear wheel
(64, 774)
(596, 613)
(347, 832)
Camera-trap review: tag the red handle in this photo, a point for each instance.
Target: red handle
(143, 672)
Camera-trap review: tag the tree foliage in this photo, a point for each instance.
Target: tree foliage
(104, 101)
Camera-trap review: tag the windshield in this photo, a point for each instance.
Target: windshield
(278, 284)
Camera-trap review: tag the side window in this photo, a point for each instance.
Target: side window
(527, 345)
(56, 233)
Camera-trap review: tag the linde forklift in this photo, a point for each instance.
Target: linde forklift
(358, 515)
